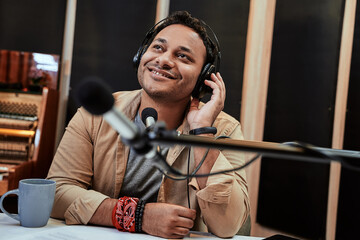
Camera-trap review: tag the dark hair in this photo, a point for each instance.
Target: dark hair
(185, 18)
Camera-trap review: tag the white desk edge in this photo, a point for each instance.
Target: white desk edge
(10, 229)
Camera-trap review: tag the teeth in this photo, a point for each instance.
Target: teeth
(157, 73)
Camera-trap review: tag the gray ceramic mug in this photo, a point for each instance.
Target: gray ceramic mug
(35, 201)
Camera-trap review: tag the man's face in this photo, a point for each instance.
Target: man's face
(171, 65)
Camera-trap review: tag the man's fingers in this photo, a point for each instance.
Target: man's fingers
(222, 83)
(181, 231)
(217, 83)
(186, 212)
(185, 222)
(167, 220)
(194, 104)
(175, 236)
(211, 84)
(216, 78)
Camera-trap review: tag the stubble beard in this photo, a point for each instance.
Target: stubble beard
(157, 95)
(161, 95)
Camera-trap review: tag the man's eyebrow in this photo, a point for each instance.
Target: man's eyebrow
(185, 49)
(162, 40)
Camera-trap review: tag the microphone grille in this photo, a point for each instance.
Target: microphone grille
(94, 95)
(148, 112)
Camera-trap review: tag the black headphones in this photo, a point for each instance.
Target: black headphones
(213, 66)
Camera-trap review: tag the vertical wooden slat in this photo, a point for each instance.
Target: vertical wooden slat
(255, 84)
(162, 9)
(65, 70)
(340, 113)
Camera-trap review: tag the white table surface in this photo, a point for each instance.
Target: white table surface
(10, 229)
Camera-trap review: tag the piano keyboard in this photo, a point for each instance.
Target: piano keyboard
(18, 122)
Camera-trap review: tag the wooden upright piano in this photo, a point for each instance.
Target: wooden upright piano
(27, 131)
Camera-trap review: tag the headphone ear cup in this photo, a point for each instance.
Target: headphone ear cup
(138, 55)
(142, 49)
(136, 58)
(200, 88)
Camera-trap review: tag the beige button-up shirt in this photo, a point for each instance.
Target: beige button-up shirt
(90, 163)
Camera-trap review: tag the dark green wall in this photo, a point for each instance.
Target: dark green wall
(32, 26)
(229, 20)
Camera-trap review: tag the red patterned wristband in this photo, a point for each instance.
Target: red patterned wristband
(123, 214)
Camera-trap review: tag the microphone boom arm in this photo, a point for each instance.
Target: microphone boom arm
(270, 149)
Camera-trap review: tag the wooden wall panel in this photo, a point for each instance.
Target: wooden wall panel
(349, 195)
(32, 26)
(254, 95)
(347, 37)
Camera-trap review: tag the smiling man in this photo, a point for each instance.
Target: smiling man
(102, 181)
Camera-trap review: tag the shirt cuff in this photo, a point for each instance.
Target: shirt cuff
(84, 207)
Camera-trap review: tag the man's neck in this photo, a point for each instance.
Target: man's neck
(172, 113)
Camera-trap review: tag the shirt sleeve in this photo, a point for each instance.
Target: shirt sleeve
(224, 202)
(72, 169)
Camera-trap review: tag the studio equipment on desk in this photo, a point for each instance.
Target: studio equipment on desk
(97, 99)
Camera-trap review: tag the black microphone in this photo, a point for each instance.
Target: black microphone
(149, 117)
(97, 99)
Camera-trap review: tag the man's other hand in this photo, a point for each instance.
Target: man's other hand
(206, 116)
(167, 220)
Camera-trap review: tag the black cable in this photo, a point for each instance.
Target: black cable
(205, 155)
(201, 162)
(326, 157)
(187, 179)
(196, 169)
(187, 176)
(183, 177)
